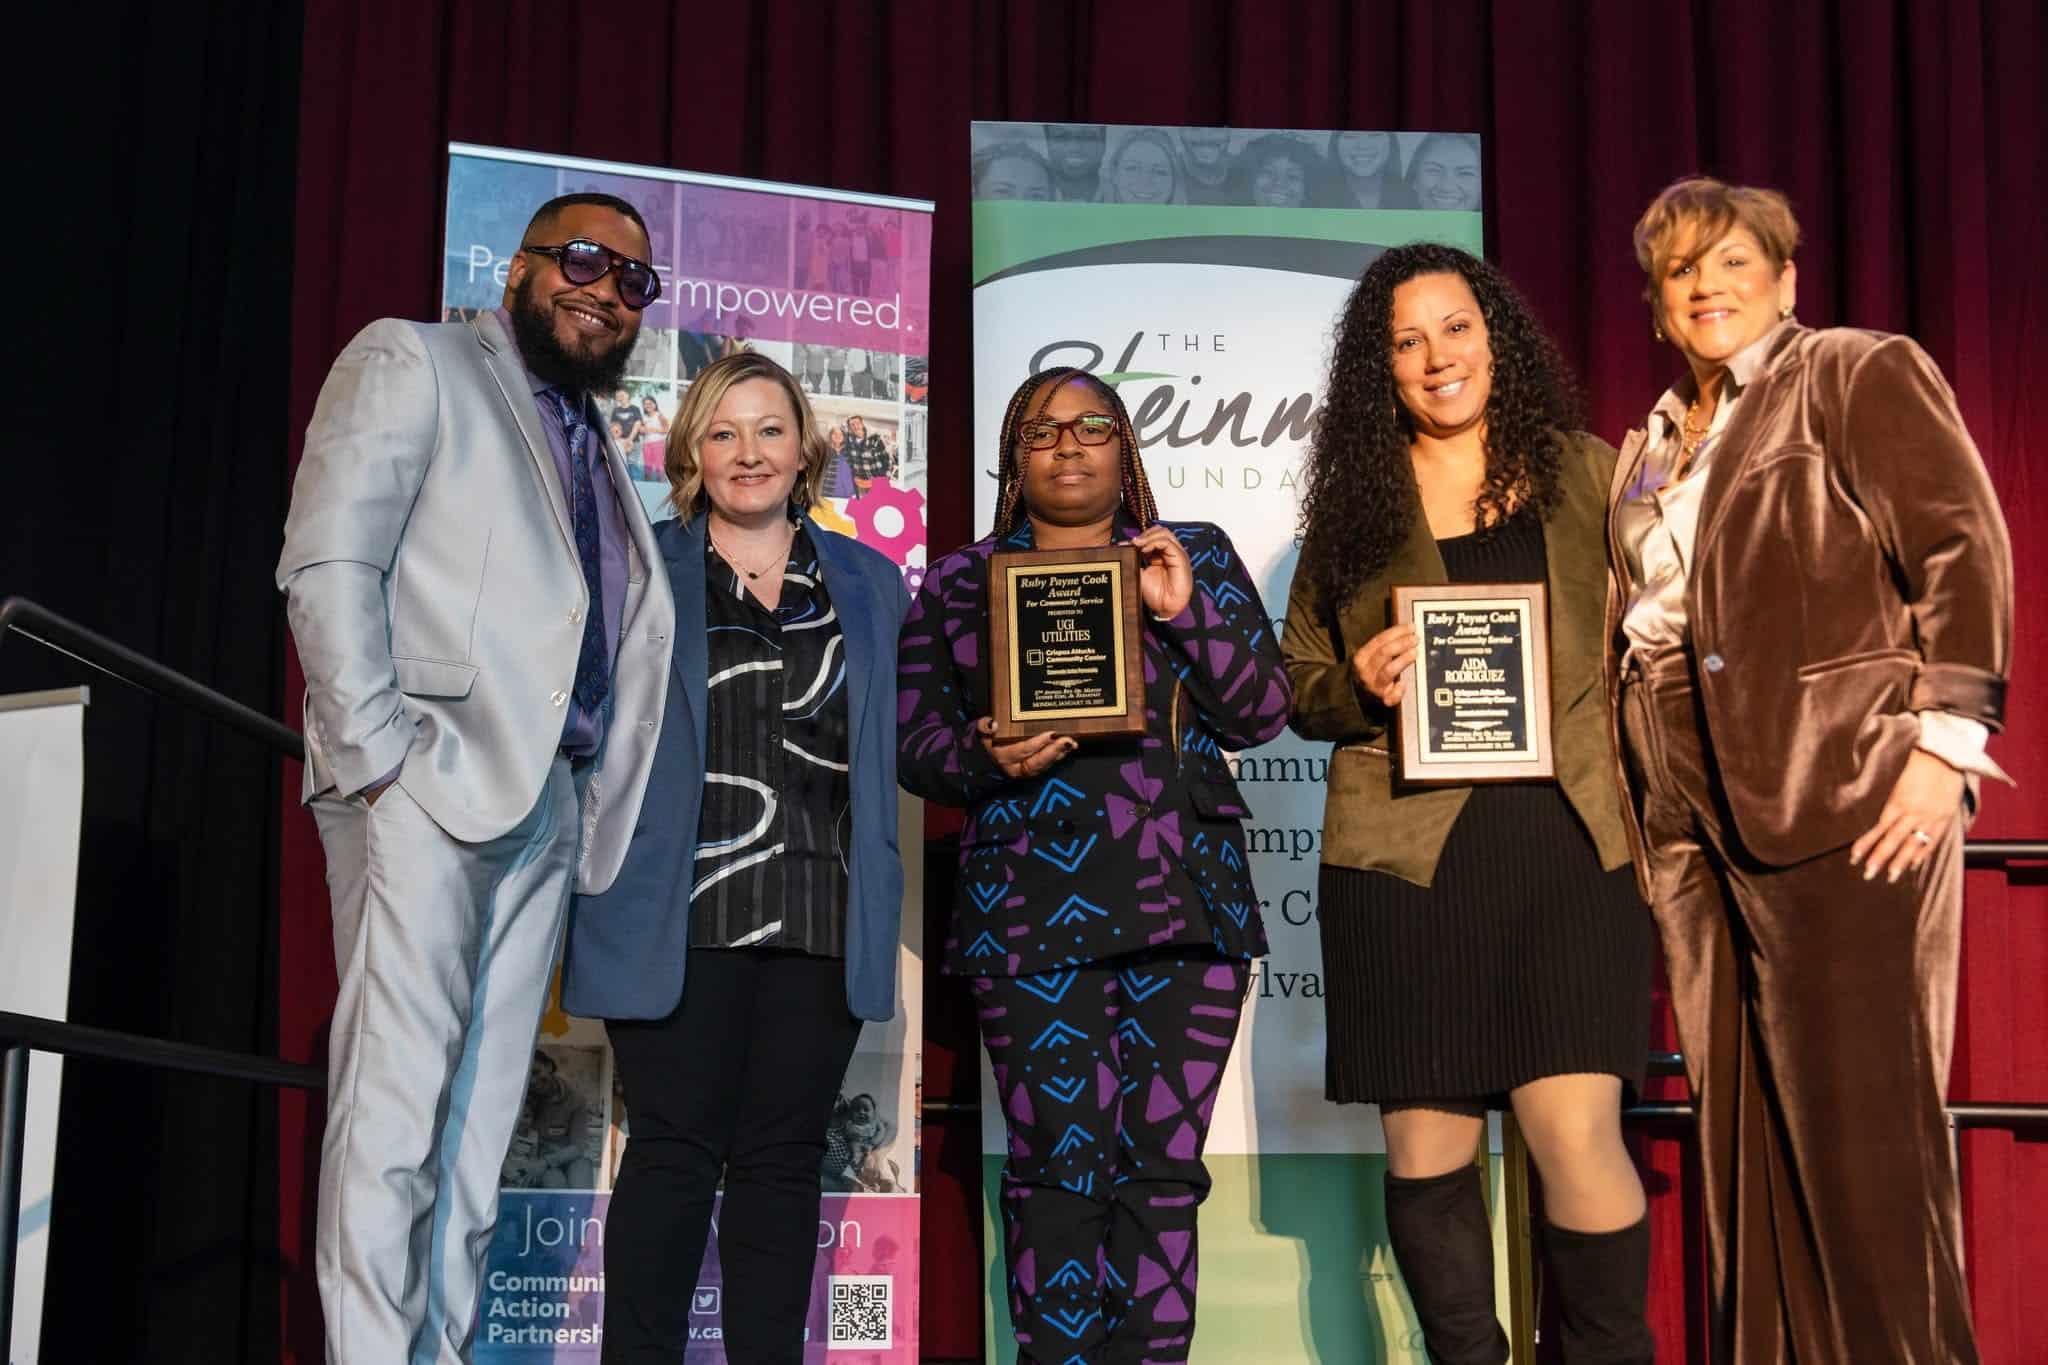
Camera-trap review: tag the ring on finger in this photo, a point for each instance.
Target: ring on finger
(1923, 837)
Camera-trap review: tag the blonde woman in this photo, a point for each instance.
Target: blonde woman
(764, 874)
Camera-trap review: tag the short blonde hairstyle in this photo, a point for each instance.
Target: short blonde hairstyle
(693, 419)
(1697, 212)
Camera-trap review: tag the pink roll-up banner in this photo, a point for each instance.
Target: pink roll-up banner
(836, 287)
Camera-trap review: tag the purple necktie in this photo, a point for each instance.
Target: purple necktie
(593, 661)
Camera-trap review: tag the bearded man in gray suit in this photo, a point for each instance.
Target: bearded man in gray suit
(466, 568)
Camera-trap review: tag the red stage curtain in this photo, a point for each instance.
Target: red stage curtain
(1909, 133)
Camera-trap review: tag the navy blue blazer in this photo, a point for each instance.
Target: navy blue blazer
(627, 946)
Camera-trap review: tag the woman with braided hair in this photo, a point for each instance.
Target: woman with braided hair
(1106, 916)
(1483, 946)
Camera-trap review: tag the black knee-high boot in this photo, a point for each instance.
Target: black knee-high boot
(1445, 1247)
(1603, 1282)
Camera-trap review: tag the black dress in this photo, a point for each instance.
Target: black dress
(1524, 959)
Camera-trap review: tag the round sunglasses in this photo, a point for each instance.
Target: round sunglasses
(583, 261)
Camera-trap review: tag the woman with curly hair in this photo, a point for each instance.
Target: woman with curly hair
(1487, 941)
(1106, 916)
(1277, 171)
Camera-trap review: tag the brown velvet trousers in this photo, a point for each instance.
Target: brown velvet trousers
(1816, 1011)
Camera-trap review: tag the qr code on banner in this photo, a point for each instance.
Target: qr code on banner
(861, 1312)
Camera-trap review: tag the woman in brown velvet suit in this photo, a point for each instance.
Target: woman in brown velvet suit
(1809, 624)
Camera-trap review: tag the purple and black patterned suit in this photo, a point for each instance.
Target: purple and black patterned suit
(1108, 920)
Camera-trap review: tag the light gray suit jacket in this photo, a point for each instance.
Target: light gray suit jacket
(434, 592)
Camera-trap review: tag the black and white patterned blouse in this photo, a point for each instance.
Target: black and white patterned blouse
(773, 838)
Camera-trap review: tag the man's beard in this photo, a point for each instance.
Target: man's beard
(552, 363)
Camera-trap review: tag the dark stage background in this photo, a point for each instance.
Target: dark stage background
(256, 183)
(143, 496)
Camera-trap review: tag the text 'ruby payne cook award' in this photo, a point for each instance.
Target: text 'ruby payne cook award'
(1066, 640)
(1477, 708)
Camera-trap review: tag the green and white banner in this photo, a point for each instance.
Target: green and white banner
(1202, 271)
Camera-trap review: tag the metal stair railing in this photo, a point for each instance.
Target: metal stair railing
(45, 627)
(20, 1034)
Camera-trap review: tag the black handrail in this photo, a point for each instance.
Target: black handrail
(38, 623)
(20, 1033)
(1998, 852)
(1968, 1114)
(82, 1040)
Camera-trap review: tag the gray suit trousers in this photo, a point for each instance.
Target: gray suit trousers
(443, 949)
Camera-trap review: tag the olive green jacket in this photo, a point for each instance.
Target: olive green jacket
(1365, 824)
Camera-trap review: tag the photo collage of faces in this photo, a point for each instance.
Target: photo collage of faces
(1099, 163)
(870, 404)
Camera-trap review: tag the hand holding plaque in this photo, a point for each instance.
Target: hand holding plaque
(1066, 640)
(1477, 708)
(1166, 577)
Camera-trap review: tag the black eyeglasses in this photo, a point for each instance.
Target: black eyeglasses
(1041, 433)
(586, 262)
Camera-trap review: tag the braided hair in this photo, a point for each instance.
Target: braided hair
(1358, 485)
(1010, 461)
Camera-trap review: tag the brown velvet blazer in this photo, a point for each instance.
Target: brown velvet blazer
(1851, 568)
(1366, 824)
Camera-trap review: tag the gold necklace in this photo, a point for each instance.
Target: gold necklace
(1692, 434)
(728, 557)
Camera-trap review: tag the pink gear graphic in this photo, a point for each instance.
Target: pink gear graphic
(907, 501)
